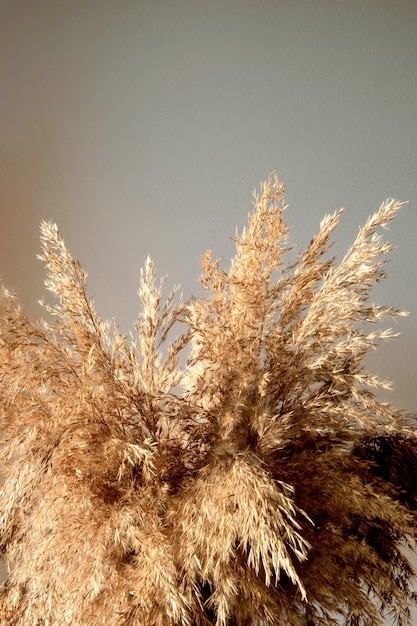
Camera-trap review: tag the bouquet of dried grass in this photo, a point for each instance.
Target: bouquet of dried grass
(260, 483)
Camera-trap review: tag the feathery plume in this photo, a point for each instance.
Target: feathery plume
(263, 482)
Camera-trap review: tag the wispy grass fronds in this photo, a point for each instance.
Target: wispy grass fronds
(263, 482)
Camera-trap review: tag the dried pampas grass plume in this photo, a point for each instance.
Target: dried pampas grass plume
(261, 483)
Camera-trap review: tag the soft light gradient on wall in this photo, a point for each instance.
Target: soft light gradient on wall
(142, 127)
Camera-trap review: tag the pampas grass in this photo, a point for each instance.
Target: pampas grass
(262, 482)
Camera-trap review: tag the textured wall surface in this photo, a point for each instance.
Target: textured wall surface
(142, 128)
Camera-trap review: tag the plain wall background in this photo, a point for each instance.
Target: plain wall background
(143, 126)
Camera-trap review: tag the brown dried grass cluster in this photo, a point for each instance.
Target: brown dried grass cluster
(260, 483)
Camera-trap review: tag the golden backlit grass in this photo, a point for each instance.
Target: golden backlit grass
(263, 482)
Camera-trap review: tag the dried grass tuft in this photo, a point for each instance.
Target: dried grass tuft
(261, 483)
